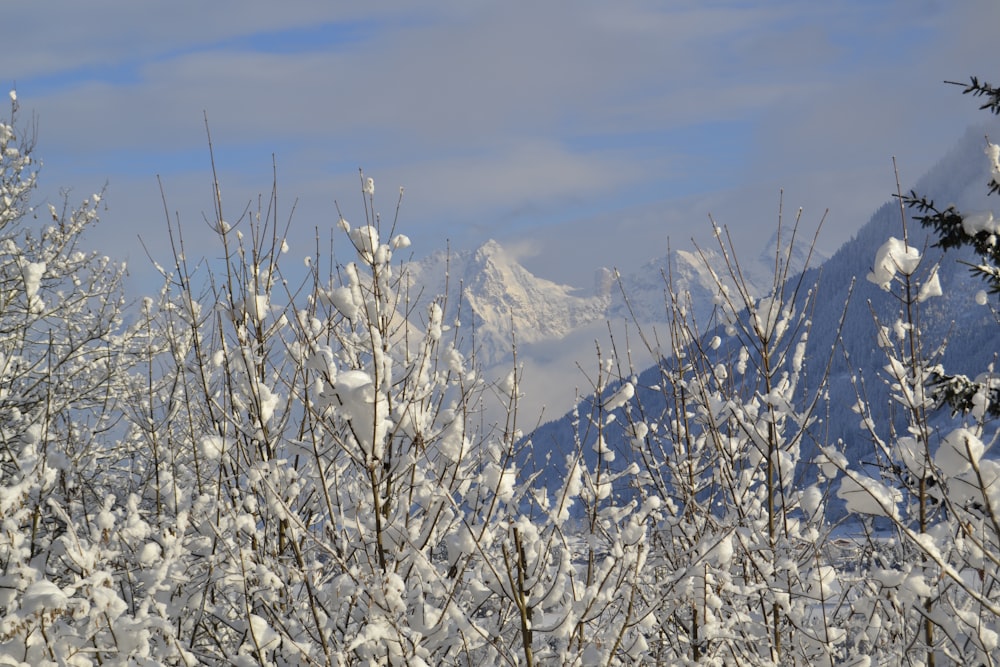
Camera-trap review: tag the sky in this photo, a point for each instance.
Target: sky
(578, 134)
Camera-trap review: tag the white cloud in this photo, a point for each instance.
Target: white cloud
(510, 116)
(525, 171)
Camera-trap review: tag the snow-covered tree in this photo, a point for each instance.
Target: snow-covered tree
(320, 489)
(978, 231)
(65, 359)
(720, 435)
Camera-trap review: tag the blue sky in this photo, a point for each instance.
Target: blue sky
(578, 134)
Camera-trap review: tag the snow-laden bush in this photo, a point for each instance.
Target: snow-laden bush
(271, 464)
(65, 360)
(276, 466)
(740, 569)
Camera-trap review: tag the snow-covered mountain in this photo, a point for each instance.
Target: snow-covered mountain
(642, 293)
(499, 302)
(556, 327)
(559, 329)
(688, 272)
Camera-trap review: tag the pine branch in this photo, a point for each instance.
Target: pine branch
(951, 233)
(982, 89)
(959, 392)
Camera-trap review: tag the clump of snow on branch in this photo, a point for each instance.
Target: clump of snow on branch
(894, 256)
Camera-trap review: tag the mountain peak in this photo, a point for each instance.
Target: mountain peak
(491, 251)
(496, 293)
(491, 246)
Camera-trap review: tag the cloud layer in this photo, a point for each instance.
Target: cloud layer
(515, 120)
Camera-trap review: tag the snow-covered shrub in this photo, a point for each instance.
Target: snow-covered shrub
(316, 449)
(594, 607)
(66, 470)
(931, 573)
(737, 567)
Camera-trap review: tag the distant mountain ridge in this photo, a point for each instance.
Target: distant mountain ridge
(499, 302)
